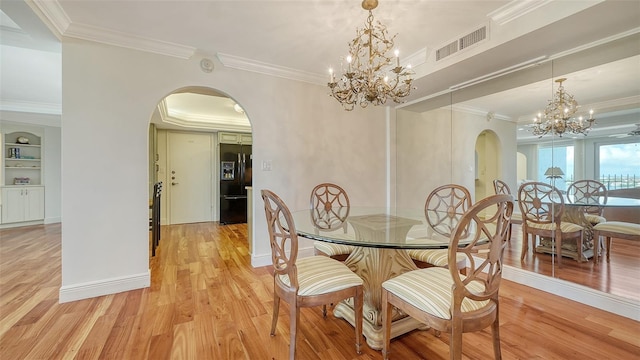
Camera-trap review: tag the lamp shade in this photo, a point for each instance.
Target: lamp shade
(553, 172)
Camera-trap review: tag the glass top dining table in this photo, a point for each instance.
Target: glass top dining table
(374, 227)
(381, 237)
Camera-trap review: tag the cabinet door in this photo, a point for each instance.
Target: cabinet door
(12, 205)
(34, 204)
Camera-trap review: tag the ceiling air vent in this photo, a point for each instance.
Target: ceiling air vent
(473, 38)
(446, 50)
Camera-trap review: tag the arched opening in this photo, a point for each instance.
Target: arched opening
(488, 168)
(188, 132)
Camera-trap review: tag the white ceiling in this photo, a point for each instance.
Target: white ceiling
(301, 39)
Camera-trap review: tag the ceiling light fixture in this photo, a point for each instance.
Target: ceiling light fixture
(371, 75)
(557, 116)
(238, 109)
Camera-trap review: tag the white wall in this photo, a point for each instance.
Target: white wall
(109, 95)
(438, 147)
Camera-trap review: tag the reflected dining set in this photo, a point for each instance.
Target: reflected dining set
(567, 223)
(379, 288)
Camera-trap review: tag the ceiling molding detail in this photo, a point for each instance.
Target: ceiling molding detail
(54, 13)
(515, 9)
(216, 123)
(30, 107)
(241, 63)
(480, 113)
(116, 38)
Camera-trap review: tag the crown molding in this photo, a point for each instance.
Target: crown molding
(52, 13)
(30, 107)
(237, 62)
(116, 38)
(515, 9)
(59, 20)
(199, 122)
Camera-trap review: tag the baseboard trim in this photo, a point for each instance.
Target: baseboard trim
(104, 287)
(618, 305)
(265, 259)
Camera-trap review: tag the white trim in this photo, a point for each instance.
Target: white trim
(117, 38)
(265, 259)
(236, 62)
(514, 10)
(629, 308)
(53, 12)
(104, 287)
(53, 220)
(30, 107)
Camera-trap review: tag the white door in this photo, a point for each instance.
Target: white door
(190, 182)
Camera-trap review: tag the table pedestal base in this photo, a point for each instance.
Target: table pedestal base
(374, 266)
(372, 332)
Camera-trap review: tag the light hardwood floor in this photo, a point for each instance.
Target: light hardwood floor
(206, 302)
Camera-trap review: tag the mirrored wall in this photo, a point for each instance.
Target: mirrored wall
(482, 132)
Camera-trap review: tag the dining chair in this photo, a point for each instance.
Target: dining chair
(329, 210)
(542, 206)
(443, 210)
(446, 300)
(305, 282)
(617, 230)
(591, 192)
(501, 187)
(154, 219)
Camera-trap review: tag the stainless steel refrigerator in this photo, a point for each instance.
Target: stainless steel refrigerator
(235, 175)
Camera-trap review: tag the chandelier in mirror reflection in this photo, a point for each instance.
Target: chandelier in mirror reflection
(557, 117)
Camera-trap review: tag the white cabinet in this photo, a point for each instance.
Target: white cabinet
(234, 138)
(22, 204)
(22, 159)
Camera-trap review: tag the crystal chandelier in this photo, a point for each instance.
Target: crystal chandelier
(371, 76)
(557, 116)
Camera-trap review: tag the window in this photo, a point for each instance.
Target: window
(619, 165)
(560, 157)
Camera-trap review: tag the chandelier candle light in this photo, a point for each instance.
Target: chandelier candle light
(371, 75)
(557, 116)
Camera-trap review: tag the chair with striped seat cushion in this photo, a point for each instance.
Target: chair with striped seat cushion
(305, 282)
(330, 206)
(443, 209)
(501, 187)
(542, 206)
(445, 299)
(615, 229)
(590, 192)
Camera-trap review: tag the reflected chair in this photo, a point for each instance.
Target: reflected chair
(446, 300)
(305, 282)
(590, 192)
(443, 209)
(329, 210)
(501, 187)
(615, 229)
(542, 206)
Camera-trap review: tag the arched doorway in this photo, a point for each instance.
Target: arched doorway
(184, 134)
(488, 163)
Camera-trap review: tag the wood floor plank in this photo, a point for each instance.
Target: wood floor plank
(205, 301)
